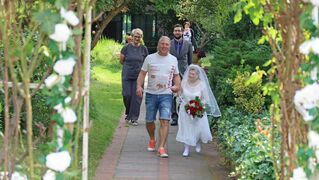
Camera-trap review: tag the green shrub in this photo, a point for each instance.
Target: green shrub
(229, 56)
(40, 110)
(246, 148)
(248, 98)
(106, 53)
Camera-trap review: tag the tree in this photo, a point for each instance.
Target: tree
(208, 16)
(106, 10)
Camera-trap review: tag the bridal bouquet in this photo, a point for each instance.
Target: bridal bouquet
(195, 108)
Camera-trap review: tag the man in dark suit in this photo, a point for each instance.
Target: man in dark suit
(182, 50)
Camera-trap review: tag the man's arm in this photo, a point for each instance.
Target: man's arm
(140, 82)
(177, 83)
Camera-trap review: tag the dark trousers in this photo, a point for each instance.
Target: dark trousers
(174, 109)
(131, 101)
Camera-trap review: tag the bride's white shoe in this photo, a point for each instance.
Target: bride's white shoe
(197, 148)
(186, 150)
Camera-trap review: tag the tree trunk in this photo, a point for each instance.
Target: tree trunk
(105, 22)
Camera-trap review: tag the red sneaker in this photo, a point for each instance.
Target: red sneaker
(151, 145)
(162, 153)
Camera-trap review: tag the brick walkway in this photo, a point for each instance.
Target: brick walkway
(127, 158)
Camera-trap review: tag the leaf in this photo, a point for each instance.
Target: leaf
(67, 137)
(41, 159)
(256, 20)
(58, 119)
(54, 48)
(47, 20)
(238, 16)
(59, 176)
(267, 63)
(29, 48)
(262, 40)
(61, 3)
(272, 32)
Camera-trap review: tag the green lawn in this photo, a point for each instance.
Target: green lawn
(105, 111)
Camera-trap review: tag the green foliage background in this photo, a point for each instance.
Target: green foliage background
(229, 56)
(249, 97)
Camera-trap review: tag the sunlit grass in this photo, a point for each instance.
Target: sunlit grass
(105, 109)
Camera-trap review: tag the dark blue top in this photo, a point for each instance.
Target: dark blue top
(133, 61)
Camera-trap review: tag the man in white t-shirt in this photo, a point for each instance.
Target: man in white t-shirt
(162, 70)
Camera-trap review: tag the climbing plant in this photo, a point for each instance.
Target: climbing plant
(281, 22)
(42, 39)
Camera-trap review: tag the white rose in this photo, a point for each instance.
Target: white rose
(315, 45)
(311, 45)
(49, 175)
(52, 80)
(64, 67)
(2, 174)
(58, 161)
(315, 16)
(70, 17)
(60, 133)
(305, 114)
(299, 174)
(18, 176)
(317, 155)
(305, 99)
(315, 2)
(312, 164)
(313, 139)
(305, 47)
(61, 33)
(314, 74)
(58, 107)
(67, 99)
(68, 115)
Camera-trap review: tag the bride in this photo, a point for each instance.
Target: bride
(193, 130)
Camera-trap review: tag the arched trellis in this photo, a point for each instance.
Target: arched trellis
(17, 69)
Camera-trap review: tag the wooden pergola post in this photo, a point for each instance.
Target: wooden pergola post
(87, 66)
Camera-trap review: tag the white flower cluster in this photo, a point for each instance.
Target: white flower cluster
(299, 174)
(308, 97)
(60, 161)
(61, 31)
(311, 45)
(14, 176)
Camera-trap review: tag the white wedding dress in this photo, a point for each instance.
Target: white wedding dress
(191, 131)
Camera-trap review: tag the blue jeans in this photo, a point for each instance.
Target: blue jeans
(158, 102)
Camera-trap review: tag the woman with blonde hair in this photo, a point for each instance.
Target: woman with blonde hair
(132, 57)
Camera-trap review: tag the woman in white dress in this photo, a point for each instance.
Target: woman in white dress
(193, 130)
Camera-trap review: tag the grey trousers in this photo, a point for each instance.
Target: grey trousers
(131, 101)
